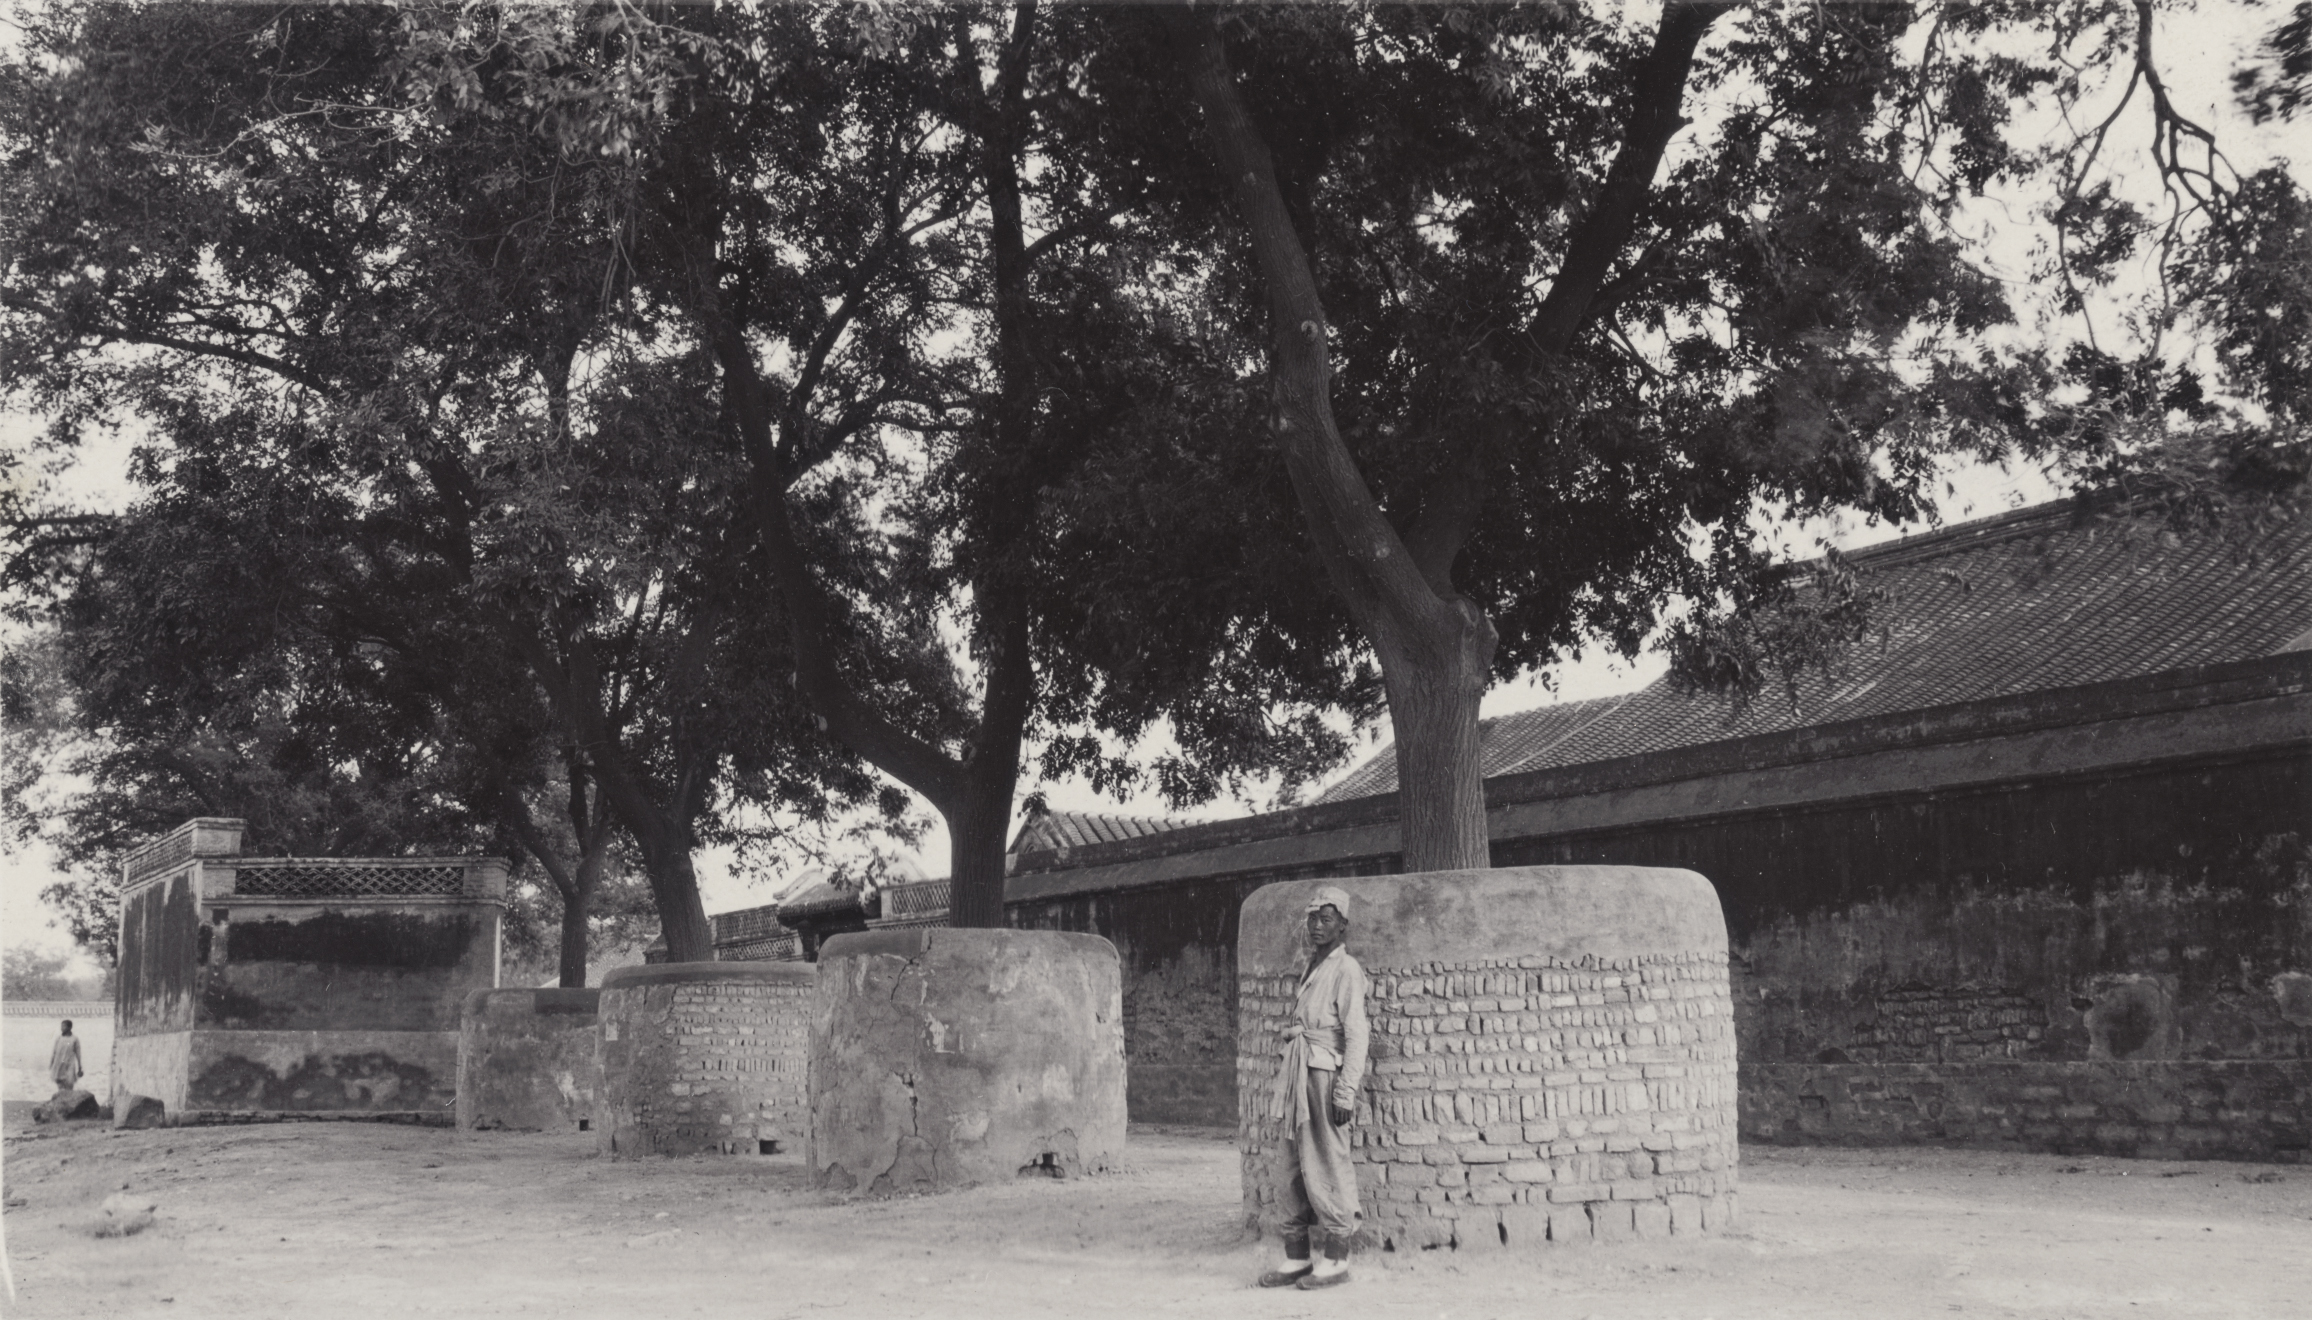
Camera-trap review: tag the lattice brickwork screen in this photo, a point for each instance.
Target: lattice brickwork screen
(325, 881)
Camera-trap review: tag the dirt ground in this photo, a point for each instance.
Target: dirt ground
(363, 1220)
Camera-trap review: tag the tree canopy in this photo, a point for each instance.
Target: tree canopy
(375, 431)
(1541, 340)
(764, 393)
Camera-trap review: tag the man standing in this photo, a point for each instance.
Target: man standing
(64, 1059)
(1316, 1096)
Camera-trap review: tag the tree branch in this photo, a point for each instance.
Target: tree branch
(1363, 554)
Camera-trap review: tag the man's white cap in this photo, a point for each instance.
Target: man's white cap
(1334, 895)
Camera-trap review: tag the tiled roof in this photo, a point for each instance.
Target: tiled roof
(823, 897)
(2024, 602)
(1508, 743)
(1059, 831)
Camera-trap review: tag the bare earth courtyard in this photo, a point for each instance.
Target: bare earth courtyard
(366, 1220)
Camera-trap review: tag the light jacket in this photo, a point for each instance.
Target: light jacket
(64, 1060)
(1329, 1030)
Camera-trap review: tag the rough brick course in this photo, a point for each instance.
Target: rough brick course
(704, 1057)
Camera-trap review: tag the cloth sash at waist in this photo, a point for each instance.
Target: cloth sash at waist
(1290, 1100)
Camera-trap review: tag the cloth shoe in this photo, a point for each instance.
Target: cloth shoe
(1292, 1272)
(1328, 1272)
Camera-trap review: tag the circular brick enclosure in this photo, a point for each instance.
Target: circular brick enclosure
(943, 1058)
(1552, 1053)
(528, 1060)
(704, 1057)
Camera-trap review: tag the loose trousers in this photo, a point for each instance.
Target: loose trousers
(1315, 1180)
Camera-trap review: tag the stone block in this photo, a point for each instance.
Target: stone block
(1612, 1221)
(1570, 1224)
(948, 1057)
(138, 1111)
(1685, 1214)
(1498, 1194)
(1524, 1227)
(1652, 1219)
(69, 1103)
(1578, 1193)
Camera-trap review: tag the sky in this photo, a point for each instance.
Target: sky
(2195, 52)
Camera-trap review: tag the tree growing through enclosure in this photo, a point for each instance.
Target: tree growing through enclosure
(1534, 333)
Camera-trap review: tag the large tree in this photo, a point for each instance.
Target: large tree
(933, 354)
(1534, 334)
(236, 225)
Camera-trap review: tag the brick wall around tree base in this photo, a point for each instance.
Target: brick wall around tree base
(2239, 1109)
(1552, 1055)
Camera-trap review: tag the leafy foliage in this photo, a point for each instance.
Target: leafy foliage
(409, 467)
(27, 973)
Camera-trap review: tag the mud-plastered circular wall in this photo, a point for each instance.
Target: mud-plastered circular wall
(704, 1057)
(1551, 1060)
(945, 1058)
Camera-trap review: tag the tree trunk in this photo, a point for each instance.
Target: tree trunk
(1435, 645)
(1434, 693)
(572, 963)
(674, 891)
(976, 838)
(578, 899)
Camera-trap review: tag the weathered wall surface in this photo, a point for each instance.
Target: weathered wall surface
(529, 1060)
(347, 1072)
(2174, 1110)
(2118, 872)
(943, 1058)
(2141, 915)
(345, 967)
(1552, 1054)
(703, 1057)
(297, 985)
(157, 1064)
(160, 947)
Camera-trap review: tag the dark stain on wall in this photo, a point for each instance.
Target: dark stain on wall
(370, 1080)
(160, 927)
(347, 971)
(360, 939)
